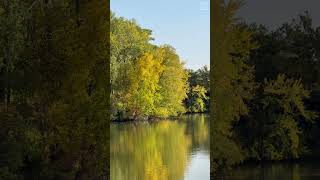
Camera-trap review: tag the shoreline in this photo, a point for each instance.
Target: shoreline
(153, 119)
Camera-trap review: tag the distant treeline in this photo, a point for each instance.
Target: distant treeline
(148, 80)
(265, 90)
(199, 90)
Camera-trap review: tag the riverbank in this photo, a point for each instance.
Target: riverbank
(154, 119)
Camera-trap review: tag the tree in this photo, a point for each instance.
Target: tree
(128, 43)
(231, 83)
(173, 84)
(291, 49)
(196, 99)
(147, 80)
(54, 106)
(144, 87)
(275, 125)
(199, 77)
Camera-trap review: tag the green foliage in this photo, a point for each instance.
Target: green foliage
(196, 99)
(53, 97)
(282, 117)
(254, 118)
(173, 84)
(200, 77)
(128, 41)
(143, 90)
(232, 83)
(275, 124)
(146, 80)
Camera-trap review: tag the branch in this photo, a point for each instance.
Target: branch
(34, 2)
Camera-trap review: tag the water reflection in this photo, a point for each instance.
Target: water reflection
(161, 150)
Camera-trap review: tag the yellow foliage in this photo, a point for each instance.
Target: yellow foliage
(144, 78)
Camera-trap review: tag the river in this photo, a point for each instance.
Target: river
(163, 150)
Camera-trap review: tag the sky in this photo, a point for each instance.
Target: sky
(273, 13)
(183, 24)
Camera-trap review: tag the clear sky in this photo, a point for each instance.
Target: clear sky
(183, 24)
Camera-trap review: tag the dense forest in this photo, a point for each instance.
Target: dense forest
(149, 81)
(54, 75)
(265, 90)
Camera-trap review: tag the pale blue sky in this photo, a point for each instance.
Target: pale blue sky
(183, 24)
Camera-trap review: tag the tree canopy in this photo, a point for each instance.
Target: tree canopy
(146, 80)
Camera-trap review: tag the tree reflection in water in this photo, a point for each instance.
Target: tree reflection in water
(156, 151)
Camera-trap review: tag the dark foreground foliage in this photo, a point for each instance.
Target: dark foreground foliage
(53, 89)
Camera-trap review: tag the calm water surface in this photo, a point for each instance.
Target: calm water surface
(163, 150)
(276, 171)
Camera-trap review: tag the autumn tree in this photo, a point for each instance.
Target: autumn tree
(146, 80)
(173, 84)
